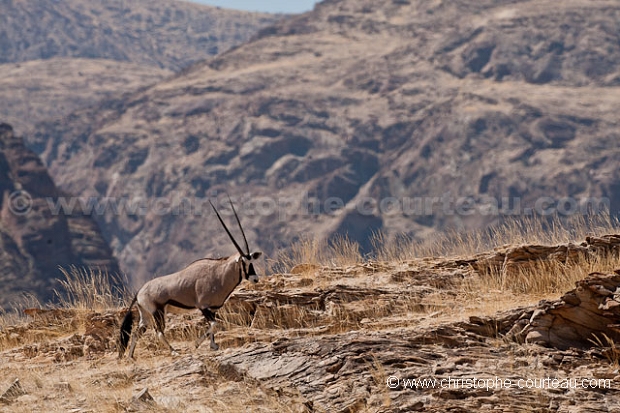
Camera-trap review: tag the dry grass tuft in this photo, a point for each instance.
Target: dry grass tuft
(82, 292)
(511, 231)
(379, 377)
(91, 289)
(528, 283)
(337, 252)
(610, 349)
(542, 278)
(10, 335)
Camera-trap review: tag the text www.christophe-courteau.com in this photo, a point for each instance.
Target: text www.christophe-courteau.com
(21, 203)
(496, 383)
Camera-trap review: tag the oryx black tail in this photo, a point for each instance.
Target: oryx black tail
(126, 327)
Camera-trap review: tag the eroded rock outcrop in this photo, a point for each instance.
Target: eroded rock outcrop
(584, 317)
(34, 239)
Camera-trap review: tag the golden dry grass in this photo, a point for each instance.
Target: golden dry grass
(611, 350)
(336, 252)
(86, 291)
(542, 279)
(82, 293)
(512, 231)
(92, 289)
(109, 387)
(479, 293)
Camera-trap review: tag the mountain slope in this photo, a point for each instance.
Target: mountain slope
(58, 57)
(161, 33)
(416, 115)
(40, 90)
(35, 241)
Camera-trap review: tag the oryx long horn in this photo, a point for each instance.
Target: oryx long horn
(226, 229)
(247, 247)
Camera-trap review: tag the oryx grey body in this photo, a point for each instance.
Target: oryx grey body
(205, 284)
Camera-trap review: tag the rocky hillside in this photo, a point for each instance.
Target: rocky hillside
(40, 90)
(167, 34)
(442, 110)
(34, 240)
(428, 335)
(58, 57)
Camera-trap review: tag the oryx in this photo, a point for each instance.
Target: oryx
(204, 284)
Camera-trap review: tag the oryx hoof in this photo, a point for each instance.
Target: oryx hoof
(214, 346)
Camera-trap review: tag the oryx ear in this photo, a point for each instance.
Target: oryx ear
(256, 255)
(239, 259)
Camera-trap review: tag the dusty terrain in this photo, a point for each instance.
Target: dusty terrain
(430, 101)
(329, 338)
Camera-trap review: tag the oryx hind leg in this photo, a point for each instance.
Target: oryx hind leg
(139, 331)
(210, 316)
(160, 325)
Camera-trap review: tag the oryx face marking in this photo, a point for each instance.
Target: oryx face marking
(248, 266)
(204, 284)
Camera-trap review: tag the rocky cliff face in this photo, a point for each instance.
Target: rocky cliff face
(401, 116)
(34, 240)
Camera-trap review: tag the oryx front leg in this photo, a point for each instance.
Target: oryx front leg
(210, 333)
(210, 316)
